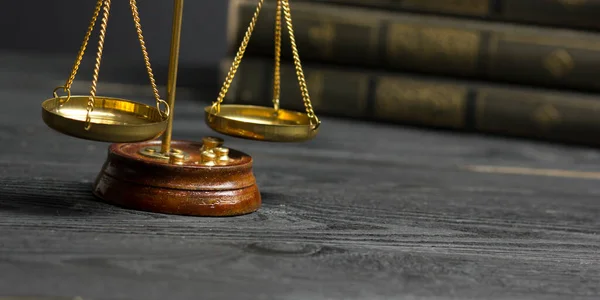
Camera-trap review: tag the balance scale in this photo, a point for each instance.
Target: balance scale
(198, 178)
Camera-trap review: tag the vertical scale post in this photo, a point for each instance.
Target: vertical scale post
(173, 66)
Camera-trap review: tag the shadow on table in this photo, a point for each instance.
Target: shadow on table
(51, 198)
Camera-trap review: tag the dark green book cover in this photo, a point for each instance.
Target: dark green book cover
(580, 14)
(401, 41)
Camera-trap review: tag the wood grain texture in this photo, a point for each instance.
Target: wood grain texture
(133, 180)
(364, 211)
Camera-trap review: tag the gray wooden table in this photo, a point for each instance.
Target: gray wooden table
(364, 211)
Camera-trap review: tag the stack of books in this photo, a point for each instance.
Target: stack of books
(527, 68)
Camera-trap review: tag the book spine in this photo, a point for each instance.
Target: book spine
(425, 101)
(481, 9)
(579, 14)
(427, 44)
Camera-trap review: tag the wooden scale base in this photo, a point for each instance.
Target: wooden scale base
(197, 179)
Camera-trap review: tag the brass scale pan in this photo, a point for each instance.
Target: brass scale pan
(103, 118)
(265, 123)
(112, 119)
(119, 120)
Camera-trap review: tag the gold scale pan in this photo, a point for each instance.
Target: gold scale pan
(266, 123)
(178, 177)
(102, 118)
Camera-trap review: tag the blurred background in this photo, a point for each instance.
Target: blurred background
(55, 29)
(519, 68)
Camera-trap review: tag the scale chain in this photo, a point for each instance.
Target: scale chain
(84, 44)
(282, 5)
(69, 82)
(277, 71)
(138, 26)
(102, 37)
(237, 60)
(301, 81)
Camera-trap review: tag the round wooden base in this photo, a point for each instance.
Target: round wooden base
(189, 181)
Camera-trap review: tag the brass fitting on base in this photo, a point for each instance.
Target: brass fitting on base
(212, 152)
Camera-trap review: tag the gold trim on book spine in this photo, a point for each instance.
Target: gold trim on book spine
(399, 99)
(464, 7)
(438, 48)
